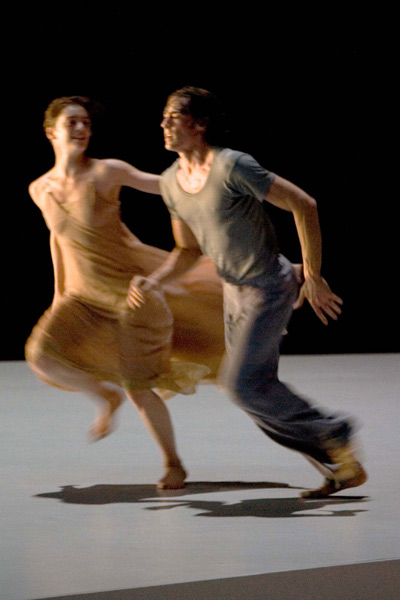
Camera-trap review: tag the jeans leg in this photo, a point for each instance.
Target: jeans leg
(255, 319)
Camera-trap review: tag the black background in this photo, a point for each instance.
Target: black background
(308, 93)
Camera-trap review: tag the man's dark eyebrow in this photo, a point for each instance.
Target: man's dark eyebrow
(72, 117)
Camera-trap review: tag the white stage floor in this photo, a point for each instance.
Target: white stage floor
(84, 520)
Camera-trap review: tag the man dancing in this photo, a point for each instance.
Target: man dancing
(215, 196)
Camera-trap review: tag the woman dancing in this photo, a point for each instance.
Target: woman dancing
(91, 339)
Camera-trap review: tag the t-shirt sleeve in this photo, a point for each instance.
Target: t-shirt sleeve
(248, 177)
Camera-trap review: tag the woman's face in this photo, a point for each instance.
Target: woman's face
(72, 129)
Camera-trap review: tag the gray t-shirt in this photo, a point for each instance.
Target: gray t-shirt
(227, 216)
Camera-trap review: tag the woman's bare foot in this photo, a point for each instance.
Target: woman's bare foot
(174, 478)
(104, 424)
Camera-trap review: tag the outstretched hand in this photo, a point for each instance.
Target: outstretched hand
(323, 301)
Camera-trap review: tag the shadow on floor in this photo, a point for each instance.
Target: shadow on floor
(169, 499)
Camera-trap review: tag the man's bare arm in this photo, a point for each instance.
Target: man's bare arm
(182, 258)
(315, 289)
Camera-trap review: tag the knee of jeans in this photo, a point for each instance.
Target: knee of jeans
(239, 388)
(243, 389)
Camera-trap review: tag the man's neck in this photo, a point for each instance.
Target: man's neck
(198, 158)
(70, 166)
(194, 170)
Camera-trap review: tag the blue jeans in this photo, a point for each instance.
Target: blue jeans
(255, 318)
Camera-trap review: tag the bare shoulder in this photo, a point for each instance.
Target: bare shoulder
(109, 170)
(109, 165)
(37, 186)
(107, 174)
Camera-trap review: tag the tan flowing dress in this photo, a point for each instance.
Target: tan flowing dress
(170, 343)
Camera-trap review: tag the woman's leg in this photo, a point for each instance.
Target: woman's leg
(151, 408)
(107, 401)
(156, 418)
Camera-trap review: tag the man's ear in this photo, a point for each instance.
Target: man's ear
(201, 125)
(49, 131)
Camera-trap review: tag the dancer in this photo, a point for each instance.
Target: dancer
(215, 196)
(90, 339)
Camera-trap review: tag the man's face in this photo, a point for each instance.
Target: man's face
(180, 130)
(72, 128)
